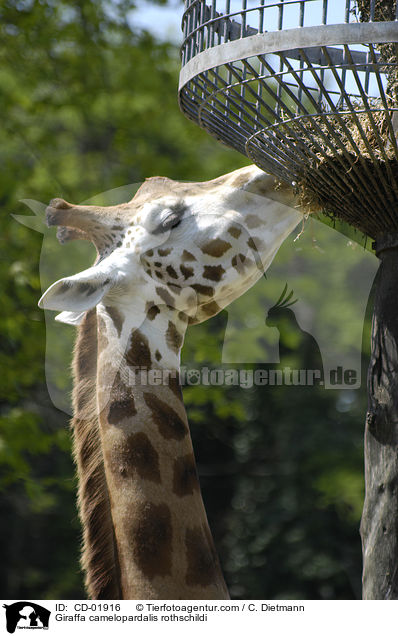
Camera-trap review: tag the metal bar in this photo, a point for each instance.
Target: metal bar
(301, 18)
(243, 18)
(301, 24)
(261, 17)
(367, 74)
(290, 41)
(346, 19)
(201, 32)
(280, 16)
(226, 22)
(372, 10)
(324, 11)
(324, 21)
(212, 16)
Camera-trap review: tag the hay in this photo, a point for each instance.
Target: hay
(347, 199)
(351, 168)
(352, 159)
(366, 134)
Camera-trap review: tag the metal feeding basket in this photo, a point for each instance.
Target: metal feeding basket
(308, 90)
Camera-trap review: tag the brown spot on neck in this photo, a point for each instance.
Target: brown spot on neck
(234, 231)
(216, 247)
(151, 536)
(135, 456)
(139, 354)
(164, 252)
(210, 309)
(202, 562)
(174, 288)
(152, 311)
(185, 477)
(187, 256)
(121, 402)
(175, 386)
(255, 243)
(166, 296)
(170, 425)
(121, 409)
(187, 272)
(205, 290)
(252, 221)
(173, 337)
(213, 272)
(240, 262)
(171, 271)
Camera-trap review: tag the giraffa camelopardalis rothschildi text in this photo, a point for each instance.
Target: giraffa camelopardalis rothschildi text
(175, 255)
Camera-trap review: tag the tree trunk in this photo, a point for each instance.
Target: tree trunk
(379, 525)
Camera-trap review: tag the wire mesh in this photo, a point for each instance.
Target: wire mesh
(307, 89)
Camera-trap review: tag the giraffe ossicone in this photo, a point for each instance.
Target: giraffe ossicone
(175, 255)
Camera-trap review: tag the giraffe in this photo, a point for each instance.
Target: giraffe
(173, 256)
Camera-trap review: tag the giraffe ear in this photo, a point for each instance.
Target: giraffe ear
(70, 317)
(79, 293)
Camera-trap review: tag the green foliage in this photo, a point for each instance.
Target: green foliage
(89, 104)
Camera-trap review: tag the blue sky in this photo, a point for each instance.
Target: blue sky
(165, 21)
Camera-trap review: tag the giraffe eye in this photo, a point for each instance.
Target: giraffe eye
(174, 223)
(170, 222)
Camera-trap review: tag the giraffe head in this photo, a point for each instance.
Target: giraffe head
(193, 247)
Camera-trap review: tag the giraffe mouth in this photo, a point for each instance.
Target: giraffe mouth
(58, 213)
(82, 222)
(66, 234)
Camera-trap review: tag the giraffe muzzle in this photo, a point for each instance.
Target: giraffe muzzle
(56, 211)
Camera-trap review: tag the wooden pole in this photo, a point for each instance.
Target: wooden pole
(379, 525)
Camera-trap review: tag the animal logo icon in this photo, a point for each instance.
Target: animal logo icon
(25, 615)
(297, 347)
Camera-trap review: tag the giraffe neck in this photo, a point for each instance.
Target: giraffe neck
(164, 544)
(99, 554)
